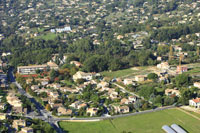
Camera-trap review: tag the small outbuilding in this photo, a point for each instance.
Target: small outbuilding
(178, 129)
(168, 129)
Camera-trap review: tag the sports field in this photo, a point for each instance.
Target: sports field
(144, 123)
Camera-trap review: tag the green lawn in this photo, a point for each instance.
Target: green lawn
(193, 113)
(119, 73)
(145, 123)
(194, 70)
(48, 36)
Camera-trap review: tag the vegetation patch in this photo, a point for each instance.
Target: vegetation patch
(151, 122)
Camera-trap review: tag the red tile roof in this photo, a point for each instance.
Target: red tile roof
(197, 100)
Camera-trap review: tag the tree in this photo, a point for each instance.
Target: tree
(168, 101)
(152, 76)
(80, 81)
(38, 71)
(163, 49)
(182, 79)
(158, 99)
(53, 74)
(95, 63)
(146, 91)
(13, 86)
(186, 95)
(137, 105)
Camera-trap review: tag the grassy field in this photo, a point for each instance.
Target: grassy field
(145, 123)
(116, 74)
(193, 113)
(194, 70)
(48, 36)
(129, 73)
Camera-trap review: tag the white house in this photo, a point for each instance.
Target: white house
(195, 103)
(163, 65)
(128, 81)
(82, 75)
(34, 87)
(197, 84)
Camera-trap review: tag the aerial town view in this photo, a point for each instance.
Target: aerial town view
(99, 66)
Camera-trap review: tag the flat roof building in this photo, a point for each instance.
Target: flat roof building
(168, 129)
(177, 128)
(30, 69)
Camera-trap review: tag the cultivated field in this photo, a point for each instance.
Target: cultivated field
(144, 123)
(130, 72)
(194, 69)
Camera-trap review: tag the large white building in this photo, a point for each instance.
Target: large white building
(32, 69)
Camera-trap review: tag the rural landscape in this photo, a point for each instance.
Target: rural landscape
(99, 66)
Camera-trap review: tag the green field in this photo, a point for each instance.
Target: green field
(194, 70)
(144, 123)
(116, 74)
(48, 36)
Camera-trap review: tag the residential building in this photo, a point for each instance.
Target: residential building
(120, 37)
(181, 69)
(76, 63)
(30, 69)
(121, 109)
(112, 94)
(34, 87)
(44, 83)
(129, 81)
(75, 104)
(14, 100)
(52, 65)
(82, 75)
(125, 101)
(132, 98)
(83, 105)
(170, 92)
(55, 85)
(102, 84)
(26, 130)
(197, 84)
(140, 78)
(2, 106)
(64, 111)
(54, 94)
(67, 89)
(195, 103)
(92, 111)
(3, 116)
(124, 109)
(163, 65)
(18, 123)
